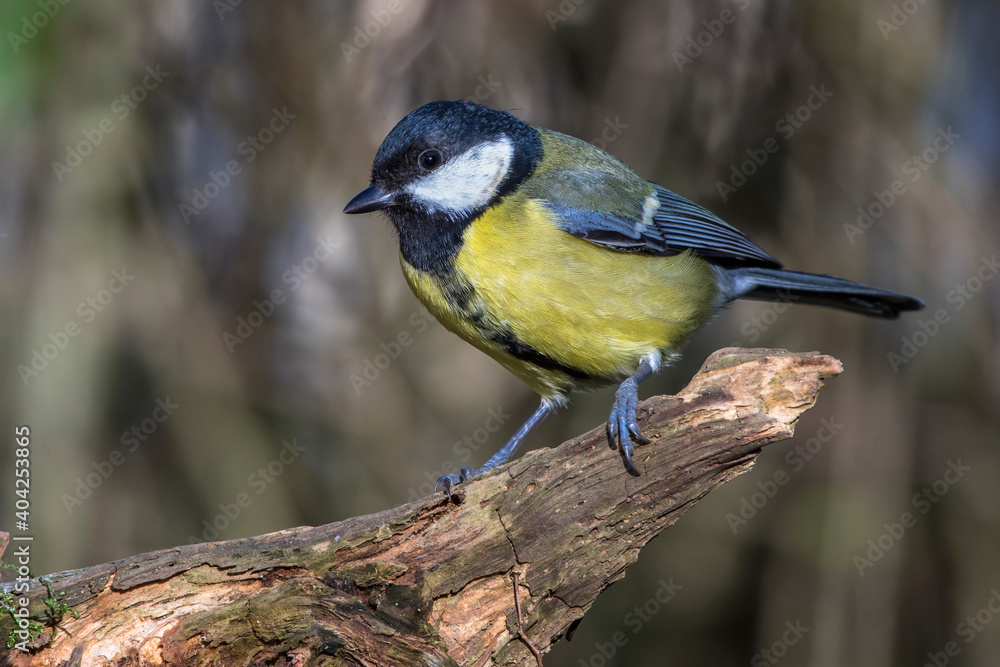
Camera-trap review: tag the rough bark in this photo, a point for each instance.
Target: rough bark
(432, 582)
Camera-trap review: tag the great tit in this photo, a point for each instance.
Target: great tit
(563, 264)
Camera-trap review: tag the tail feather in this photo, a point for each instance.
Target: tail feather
(760, 284)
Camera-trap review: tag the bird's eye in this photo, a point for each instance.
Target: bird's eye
(430, 158)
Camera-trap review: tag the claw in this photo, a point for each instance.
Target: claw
(633, 424)
(447, 482)
(633, 429)
(612, 428)
(630, 468)
(623, 424)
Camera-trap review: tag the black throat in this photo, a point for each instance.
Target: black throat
(430, 241)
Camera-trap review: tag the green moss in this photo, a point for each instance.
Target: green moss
(205, 574)
(732, 359)
(369, 574)
(8, 605)
(780, 395)
(54, 616)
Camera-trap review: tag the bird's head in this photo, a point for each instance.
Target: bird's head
(448, 160)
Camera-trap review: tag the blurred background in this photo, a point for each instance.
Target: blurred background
(204, 347)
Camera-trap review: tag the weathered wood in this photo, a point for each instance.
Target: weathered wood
(431, 582)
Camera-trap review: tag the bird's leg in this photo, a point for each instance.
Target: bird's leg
(623, 426)
(544, 410)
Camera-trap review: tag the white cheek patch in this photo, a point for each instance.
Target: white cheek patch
(467, 181)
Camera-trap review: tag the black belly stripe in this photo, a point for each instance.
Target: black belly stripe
(458, 292)
(525, 352)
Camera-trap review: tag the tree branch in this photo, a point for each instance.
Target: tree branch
(431, 582)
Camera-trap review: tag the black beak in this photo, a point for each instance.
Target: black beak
(372, 198)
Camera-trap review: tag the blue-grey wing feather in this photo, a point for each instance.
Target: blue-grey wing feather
(687, 225)
(676, 225)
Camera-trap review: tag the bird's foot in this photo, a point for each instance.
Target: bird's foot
(448, 482)
(623, 425)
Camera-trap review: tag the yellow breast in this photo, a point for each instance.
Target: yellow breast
(589, 309)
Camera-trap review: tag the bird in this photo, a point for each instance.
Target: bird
(565, 265)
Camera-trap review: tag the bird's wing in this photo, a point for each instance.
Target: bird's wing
(668, 225)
